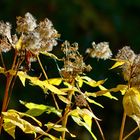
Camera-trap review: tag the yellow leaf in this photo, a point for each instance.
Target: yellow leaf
(107, 94)
(1, 70)
(117, 64)
(14, 118)
(55, 81)
(94, 102)
(64, 99)
(18, 44)
(131, 104)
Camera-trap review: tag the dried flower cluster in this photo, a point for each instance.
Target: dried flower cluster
(34, 37)
(100, 50)
(37, 37)
(73, 62)
(131, 67)
(80, 101)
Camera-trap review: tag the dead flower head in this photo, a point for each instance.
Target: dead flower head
(131, 67)
(100, 51)
(73, 62)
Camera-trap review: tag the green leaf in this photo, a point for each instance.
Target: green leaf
(38, 109)
(13, 118)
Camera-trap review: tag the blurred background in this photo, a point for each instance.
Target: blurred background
(114, 21)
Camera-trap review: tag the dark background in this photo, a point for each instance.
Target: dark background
(82, 21)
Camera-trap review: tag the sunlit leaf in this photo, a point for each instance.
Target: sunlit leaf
(81, 123)
(1, 70)
(14, 118)
(18, 44)
(94, 102)
(80, 81)
(38, 109)
(117, 64)
(58, 128)
(64, 99)
(107, 94)
(55, 81)
(131, 104)
(92, 82)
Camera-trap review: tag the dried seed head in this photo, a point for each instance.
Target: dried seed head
(5, 30)
(80, 101)
(26, 24)
(131, 68)
(5, 46)
(100, 51)
(73, 62)
(126, 54)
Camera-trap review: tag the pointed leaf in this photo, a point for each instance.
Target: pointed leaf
(107, 94)
(55, 81)
(117, 64)
(38, 109)
(15, 118)
(64, 99)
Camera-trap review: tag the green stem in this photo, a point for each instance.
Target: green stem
(122, 126)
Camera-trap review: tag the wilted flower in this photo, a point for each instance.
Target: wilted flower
(131, 67)
(100, 50)
(73, 62)
(26, 24)
(5, 46)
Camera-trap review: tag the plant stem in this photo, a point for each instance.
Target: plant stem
(67, 109)
(133, 131)
(9, 79)
(38, 59)
(122, 126)
(5, 98)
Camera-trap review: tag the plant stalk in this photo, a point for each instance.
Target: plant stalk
(67, 109)
(122, 126)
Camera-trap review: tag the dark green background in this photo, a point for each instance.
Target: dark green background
(83, 21)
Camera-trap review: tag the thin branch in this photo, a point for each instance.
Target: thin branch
(122, 126)
(133, 131)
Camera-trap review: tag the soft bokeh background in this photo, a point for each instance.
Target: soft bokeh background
(114, 21)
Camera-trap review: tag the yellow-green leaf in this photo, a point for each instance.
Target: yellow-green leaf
(38, 109)
(14, 118)
(58, 128)
(1, 70)
(55, 81)
(18, 44)
(94, 102)
(107, 94)
(64, 99)
(117, 64)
